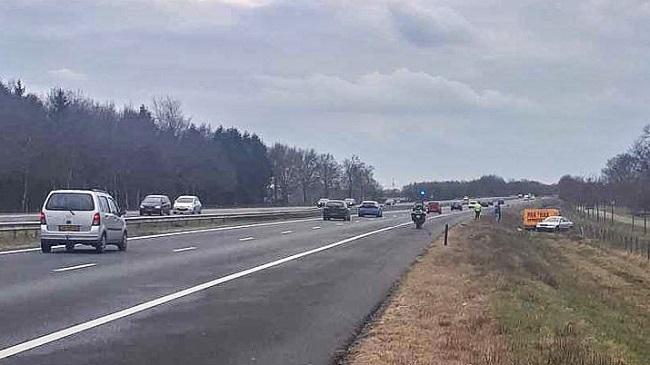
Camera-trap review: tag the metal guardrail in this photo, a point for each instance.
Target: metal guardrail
(139, 221)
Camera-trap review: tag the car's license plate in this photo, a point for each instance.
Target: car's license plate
(69, 228)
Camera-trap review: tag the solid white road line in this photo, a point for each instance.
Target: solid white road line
(184, 249)
(317, 227)
(287, 232)
(339, 224)
(55, 336)
(247, 239)
(74, 267)
(171, 234)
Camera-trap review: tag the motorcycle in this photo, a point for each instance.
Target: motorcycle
(419, 217)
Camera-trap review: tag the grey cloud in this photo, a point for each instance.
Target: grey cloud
(66, 74)
(401, 91)
(431, 27)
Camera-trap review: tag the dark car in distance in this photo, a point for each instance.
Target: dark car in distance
(156, 204)
(336, 209)
(456, 206)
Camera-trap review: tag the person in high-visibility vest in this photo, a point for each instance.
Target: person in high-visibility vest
(477, 210)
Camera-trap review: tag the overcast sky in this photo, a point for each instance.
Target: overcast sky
(422, 90)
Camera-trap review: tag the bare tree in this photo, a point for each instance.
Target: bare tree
(307, 171)
(328, 173)
(168, 115)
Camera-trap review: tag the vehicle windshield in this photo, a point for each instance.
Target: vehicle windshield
(184, 200)
(335, 204)
(70, 201)
(368, 205)
(552, 219)
(152, 200)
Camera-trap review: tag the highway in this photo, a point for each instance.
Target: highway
(290, 292)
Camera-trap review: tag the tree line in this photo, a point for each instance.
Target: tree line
(486, 186)
(66, 140)
(624, 181)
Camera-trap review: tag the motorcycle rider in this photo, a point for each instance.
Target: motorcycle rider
(418, 209)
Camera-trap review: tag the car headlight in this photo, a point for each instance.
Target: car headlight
(142, 207)
(157, 207)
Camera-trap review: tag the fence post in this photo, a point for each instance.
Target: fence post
(632, 222)
(612, 212)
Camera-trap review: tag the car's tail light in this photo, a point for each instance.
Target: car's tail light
(43, 220)
(96, 219)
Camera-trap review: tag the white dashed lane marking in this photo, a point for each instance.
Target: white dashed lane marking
(77, 267)
(185, 249)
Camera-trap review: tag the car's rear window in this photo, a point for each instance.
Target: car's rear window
(152, 199)
(70, 201)
(184, 200)
(335, 204)
(368, 205)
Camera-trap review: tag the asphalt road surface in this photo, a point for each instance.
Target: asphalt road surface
(289, 292)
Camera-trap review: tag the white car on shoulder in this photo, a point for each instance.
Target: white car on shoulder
(554, 224)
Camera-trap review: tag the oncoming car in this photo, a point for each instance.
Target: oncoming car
(372, 208)
(88, 217)
(434, 207)
(187, 204)
(155, 204)
(554, 224)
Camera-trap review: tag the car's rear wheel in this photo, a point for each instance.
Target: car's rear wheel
(46, 247)
(123, 244)
(101, 244)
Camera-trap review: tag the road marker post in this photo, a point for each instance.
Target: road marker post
(446, 233)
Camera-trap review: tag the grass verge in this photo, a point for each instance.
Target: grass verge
(498, 295)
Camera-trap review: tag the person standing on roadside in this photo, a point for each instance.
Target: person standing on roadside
(477, 211)
(497, 212)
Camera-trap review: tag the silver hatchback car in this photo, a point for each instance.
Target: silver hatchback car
(88, 217)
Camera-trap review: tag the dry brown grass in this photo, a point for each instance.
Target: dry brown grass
(498, 295)
(439, 315)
